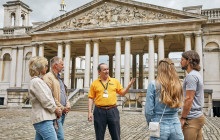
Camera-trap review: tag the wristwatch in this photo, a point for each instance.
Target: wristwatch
(183, 118)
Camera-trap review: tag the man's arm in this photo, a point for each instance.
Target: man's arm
(187, 105)
(127, 88)
(49, 82)
(90, 103)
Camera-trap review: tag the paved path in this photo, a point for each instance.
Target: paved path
(15, 125)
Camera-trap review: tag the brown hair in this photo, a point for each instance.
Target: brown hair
(194, 59)
(171, 91)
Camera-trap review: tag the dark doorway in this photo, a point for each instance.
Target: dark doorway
(1, 100)
(216, 108)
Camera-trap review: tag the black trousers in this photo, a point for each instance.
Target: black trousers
(110, 117)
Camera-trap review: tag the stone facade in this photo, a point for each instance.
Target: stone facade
(112, 28)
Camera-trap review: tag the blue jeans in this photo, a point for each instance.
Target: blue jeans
(60, 131)
(45, 130)
(170, 128)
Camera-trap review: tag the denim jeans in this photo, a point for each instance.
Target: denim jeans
(45, 131)
(170, 129)
(60, 131)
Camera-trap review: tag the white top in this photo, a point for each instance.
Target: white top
(43, 104)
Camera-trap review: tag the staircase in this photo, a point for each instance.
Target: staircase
(81, 105)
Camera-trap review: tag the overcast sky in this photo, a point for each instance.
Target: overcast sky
(44, 10)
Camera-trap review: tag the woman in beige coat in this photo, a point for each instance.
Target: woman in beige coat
(44, 109)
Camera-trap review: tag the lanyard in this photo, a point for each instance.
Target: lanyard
(104, 85)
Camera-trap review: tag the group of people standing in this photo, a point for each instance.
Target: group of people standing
(48, 96)
(165, 95)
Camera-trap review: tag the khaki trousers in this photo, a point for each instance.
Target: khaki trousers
(192, 129)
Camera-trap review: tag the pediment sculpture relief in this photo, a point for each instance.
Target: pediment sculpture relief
(112, 14)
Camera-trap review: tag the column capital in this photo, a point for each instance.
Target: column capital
(111, 54)
(141, 53)
(59, 42)
(118, 39)
(88, 40)
(41, 43)
(128, 38)
(14, 47)
(151, 37)
(34, 44)
(187, 34)
(198, 34)
(20, 47)
(96, 40)
(161, 36)
(134, 53)
(68, 42)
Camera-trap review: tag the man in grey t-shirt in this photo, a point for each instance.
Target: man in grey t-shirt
(192, 119)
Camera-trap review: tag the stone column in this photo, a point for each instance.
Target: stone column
(19, 67)
(199, 49)
(87, 64)
(161, 47)
(118, 59)
(151, 58)
(13, 67)
(141, 76)
(95, 59)
(1, 64)
(67, 64)
(134, 69)
(73, 74)
(188, 41)
(60, 49)
(41, 49)
(110, 65)
(34, 50)
(17, 16)
(127, 61)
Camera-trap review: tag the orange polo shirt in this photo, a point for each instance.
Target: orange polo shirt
(97, 90)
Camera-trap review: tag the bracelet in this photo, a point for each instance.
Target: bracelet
(183, 118)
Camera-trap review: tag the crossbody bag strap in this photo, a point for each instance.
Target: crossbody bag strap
(163, 113)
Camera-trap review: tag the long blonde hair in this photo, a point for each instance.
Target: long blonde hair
(171, 90)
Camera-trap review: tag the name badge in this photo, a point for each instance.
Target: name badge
(105, 95)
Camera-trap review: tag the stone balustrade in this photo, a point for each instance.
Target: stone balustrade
(15, 30)
(213, 15)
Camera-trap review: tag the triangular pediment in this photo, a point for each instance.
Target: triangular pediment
(108, 13)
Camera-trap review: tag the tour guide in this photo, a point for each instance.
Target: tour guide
(103, 90)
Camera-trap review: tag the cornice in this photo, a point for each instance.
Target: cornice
(122, 26)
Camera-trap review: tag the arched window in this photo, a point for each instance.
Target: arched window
(26, 75)
(12, 19)
(22, 20)
(6, 68)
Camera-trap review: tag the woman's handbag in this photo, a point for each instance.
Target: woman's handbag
(154, 127)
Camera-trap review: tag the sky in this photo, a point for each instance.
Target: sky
(44, 10)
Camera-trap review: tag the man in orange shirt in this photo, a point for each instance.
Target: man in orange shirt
(104, 90)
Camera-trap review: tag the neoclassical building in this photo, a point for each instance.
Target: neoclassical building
(111, 28)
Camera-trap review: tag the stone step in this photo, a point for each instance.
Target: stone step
(81, 105)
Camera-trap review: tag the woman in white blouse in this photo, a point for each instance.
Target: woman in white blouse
(44, 110)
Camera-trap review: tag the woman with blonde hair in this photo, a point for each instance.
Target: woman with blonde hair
(163, 100)
(44, 109)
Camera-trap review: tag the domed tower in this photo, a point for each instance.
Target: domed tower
(16, 14)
